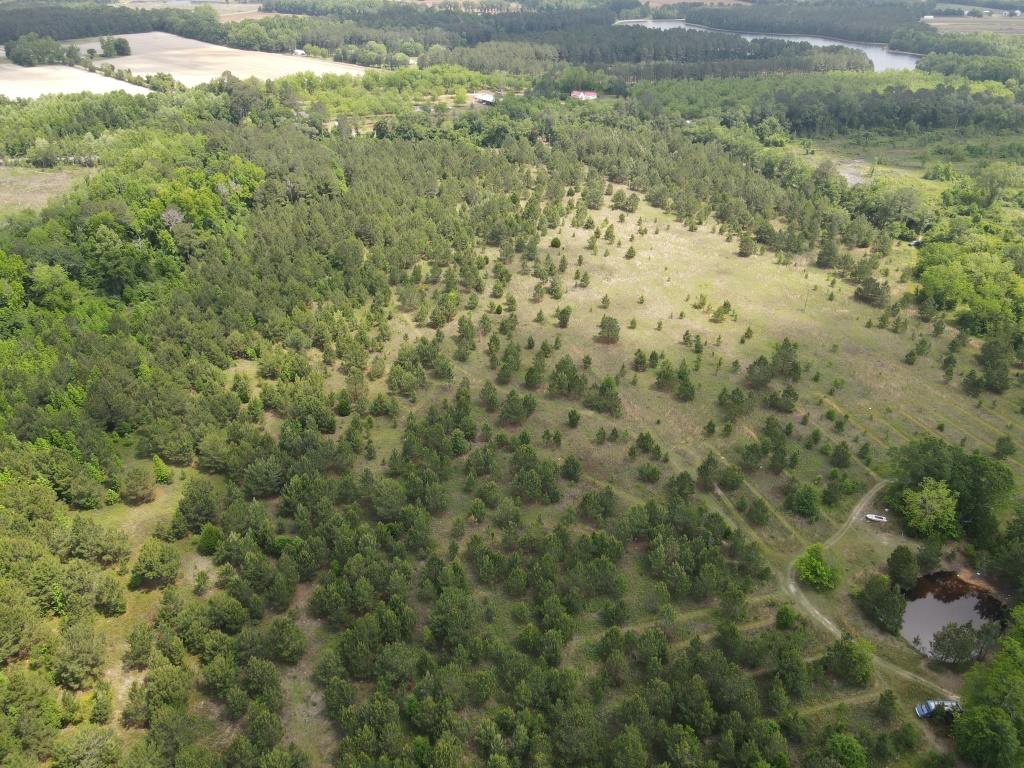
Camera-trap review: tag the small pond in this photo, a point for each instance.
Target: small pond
(941, 598)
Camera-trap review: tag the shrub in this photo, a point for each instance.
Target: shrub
(137, 486)
(649, 473)
(110, 597)
(850, 660)
(284, 640)
(882, 603)
(804, 500)
(210, 538)
(608, 330)
(88, 746)
(156, 565)
(161, 472)
(814, 571)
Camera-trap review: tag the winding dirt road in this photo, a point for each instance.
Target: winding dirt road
(857, 512)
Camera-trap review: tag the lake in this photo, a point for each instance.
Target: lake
(881, 57)
(941, 598)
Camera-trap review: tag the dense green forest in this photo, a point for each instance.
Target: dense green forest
(345, 422)
(875, 22)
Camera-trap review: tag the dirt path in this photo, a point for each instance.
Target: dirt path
(860, 698)
(305, 719)
(858, 511)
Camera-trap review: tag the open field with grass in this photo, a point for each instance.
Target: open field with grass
(31, 82)
(855, 388)
(995, 24)
(858, 366)
(22, 187)
(192, 62)
(225, 11)
(851, 370)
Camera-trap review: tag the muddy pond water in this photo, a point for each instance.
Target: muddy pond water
(941, 598)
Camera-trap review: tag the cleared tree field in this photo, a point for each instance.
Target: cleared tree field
(192, 62)
(31, 82)
(32, 188)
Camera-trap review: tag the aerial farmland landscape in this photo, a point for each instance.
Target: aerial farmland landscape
(192, 62)
(21, 83)
(558, 383)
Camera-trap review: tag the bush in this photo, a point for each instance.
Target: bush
(210, 539)
(161, 472)
(284, 640)
(157, 565)
(850, 660)
(882, 603)
(571, 468)
(102, 704)
(902, 567)
(78, 655)
(786, 617)
(649, 473)
(804, 500)
(110, 597)
(137, 486)
(88, 746)
(814, 571)
(140, 647)
(608, 330)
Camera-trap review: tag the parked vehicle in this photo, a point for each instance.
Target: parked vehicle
(928, 708)
(877, 518)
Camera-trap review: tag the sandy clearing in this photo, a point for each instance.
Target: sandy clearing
(31, 82)
(192, 62)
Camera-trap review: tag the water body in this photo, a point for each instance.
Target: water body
(881, 57)
(941, 598)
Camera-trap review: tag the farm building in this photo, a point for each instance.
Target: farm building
(584, 95)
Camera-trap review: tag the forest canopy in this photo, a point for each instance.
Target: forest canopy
(445, 417)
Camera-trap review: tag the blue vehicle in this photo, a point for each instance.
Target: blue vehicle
(928, 708)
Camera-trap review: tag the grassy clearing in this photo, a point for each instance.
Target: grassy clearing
(32, 188)
(305, 723)
(995, 24)
(138, 522)
(859, 369)
(851, 371)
